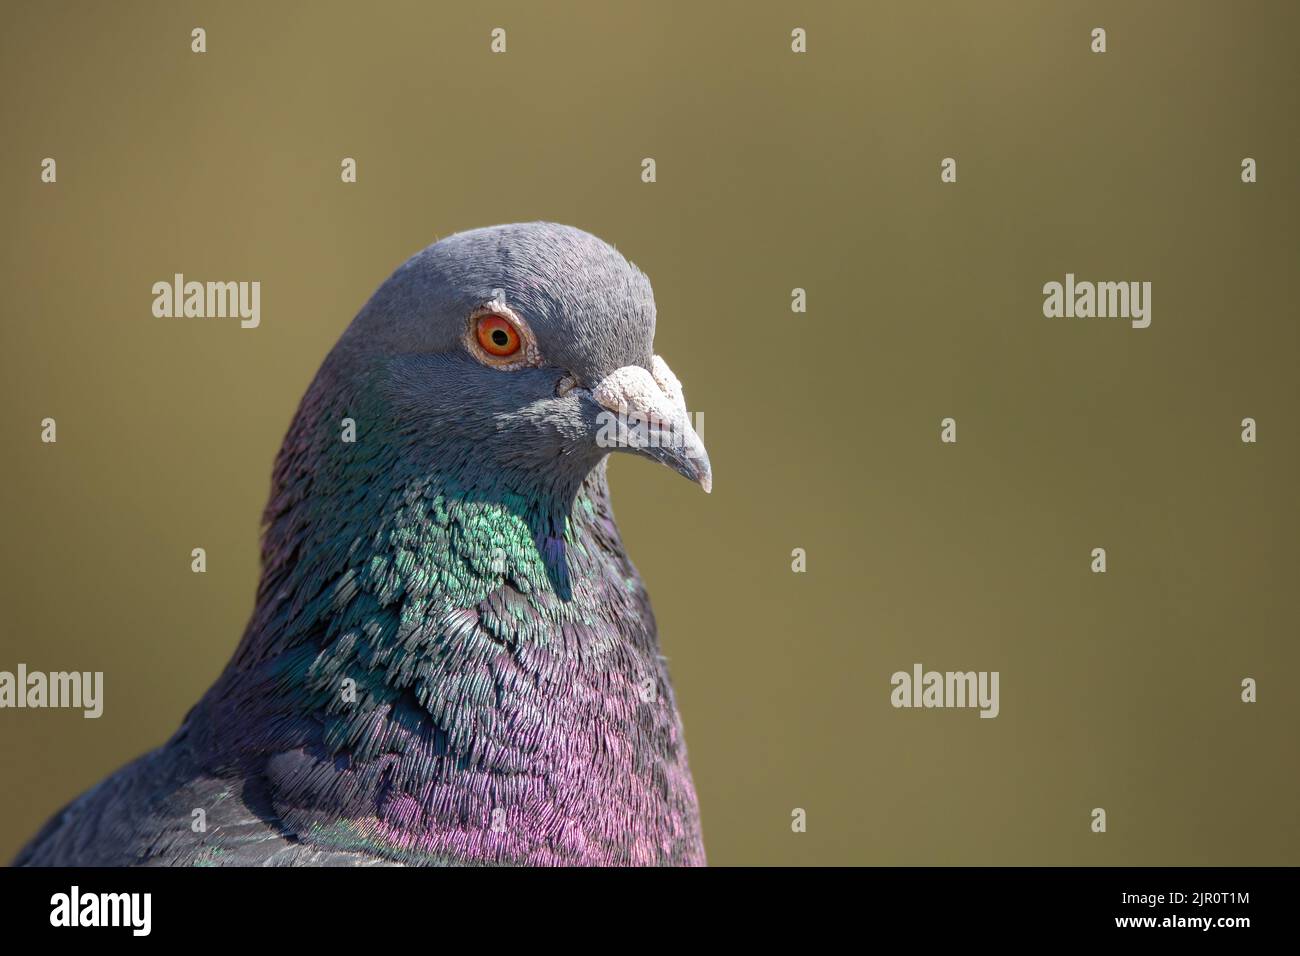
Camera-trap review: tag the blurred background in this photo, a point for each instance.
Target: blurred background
(775, 170)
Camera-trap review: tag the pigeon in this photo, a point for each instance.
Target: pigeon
(451, 659)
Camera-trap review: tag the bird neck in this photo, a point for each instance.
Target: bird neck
(436, 657)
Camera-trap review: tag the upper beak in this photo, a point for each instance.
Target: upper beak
(645, 413)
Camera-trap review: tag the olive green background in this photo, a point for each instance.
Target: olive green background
(775, 171)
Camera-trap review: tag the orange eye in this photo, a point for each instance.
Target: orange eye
(497, 336)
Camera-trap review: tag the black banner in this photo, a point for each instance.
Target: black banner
(340, 906)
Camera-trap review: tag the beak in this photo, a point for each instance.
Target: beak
(645, 413)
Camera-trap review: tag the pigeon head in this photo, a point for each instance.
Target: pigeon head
(521, 354)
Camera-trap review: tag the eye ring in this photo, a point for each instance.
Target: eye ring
(497, 335)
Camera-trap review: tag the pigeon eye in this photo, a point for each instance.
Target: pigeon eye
(497, 336)
(500, 338)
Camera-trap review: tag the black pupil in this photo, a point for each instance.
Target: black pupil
(499, 338)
